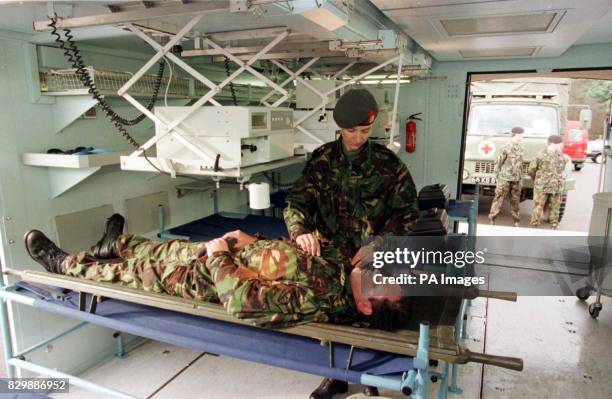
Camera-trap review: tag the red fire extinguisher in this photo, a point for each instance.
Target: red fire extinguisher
(411, 131)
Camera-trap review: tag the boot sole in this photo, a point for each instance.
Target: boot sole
(25, 244)
(104, 241)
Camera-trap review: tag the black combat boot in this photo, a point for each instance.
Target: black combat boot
(370, 391)
(44, 251)
(329, 388)
(106, 248)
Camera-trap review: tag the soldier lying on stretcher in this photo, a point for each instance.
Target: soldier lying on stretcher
(267, 281)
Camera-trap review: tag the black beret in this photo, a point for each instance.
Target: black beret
(554, 139)
(355, 108)
(517, 130)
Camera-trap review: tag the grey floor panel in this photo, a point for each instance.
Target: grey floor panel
(567, 354)
(140, 374)
(223, 377)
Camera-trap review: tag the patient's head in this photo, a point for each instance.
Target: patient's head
(382, 306)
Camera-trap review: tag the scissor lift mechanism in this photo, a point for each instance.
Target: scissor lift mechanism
(209, 164)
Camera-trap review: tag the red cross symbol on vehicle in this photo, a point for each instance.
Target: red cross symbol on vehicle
(486, 148)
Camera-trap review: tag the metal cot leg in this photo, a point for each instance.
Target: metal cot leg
(443, 393)
(413, 382)
(454, 388)
(6, 337)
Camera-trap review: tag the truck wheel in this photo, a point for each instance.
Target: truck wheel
(578, 167)
(597, 158)
(562, 206)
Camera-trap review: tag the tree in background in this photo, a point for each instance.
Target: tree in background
(600, 90)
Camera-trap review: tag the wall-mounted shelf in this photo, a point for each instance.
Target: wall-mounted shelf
(66, 171)
(73, 161)
(197, 169)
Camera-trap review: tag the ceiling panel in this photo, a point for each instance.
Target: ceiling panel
(534, 23)
(600, 32)
(449, 29)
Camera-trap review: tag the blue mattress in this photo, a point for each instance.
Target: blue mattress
(270, 347)
(214, 226)
(459, 209)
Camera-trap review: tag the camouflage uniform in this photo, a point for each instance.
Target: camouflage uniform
(508, 167)
(269, 282)
(344, 202)
(547, 170)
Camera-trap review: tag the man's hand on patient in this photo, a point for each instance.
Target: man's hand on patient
(241, 238)
(216, 245)
(364, 255)
(309, 244)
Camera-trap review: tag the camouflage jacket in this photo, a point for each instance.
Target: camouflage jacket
(268, 282)
(509, 163)
(346, 202)
(547, 170)
(274, 284)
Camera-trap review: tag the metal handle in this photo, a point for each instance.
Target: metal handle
(512, 363)
(502, 295)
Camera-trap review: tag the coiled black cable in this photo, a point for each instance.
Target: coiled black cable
(231, 85)
(73, 55)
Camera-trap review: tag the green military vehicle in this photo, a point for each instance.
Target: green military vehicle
(490, 121)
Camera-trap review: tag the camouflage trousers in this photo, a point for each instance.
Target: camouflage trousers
(173, 267)
(553, 203)
(502, 190)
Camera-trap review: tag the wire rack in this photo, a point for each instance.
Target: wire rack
(65, 81)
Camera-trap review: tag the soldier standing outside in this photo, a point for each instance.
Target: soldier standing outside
(349, 190)
(509, 172)
(547, 171)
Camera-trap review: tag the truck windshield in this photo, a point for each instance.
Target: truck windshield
(499, 119)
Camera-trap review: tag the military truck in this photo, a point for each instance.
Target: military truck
(491, 118)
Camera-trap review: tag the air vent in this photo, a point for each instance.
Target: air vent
(532, 23)
(499, 52)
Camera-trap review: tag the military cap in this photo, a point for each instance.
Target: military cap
(355, 108)
(517, 130)
(554, 139)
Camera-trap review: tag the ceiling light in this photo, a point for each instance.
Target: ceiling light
(499, 52)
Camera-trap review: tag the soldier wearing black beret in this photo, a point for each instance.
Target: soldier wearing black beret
(349, 190)
(356, 108)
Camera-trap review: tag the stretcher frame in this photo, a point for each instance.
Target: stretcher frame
(435, 343)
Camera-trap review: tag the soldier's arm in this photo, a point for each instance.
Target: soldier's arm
(501, 158)
(266, 303)
(301, 203)
(403, 205)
